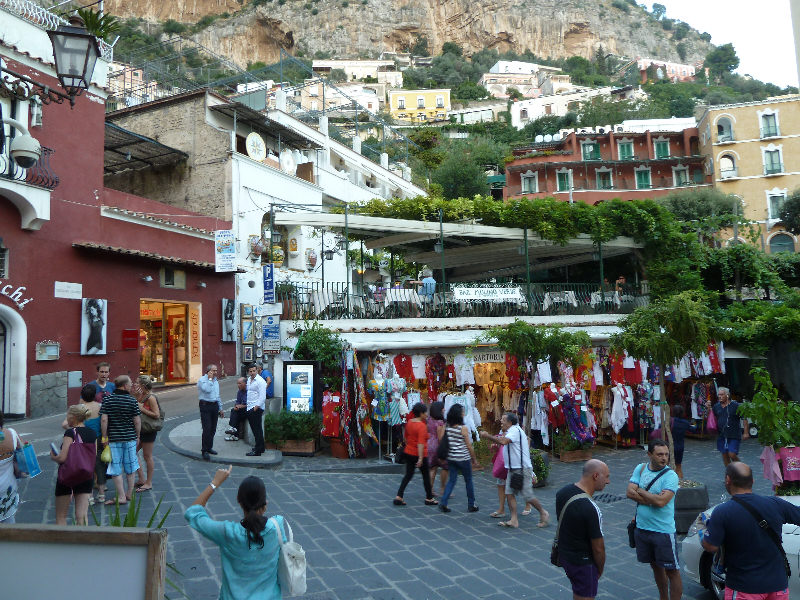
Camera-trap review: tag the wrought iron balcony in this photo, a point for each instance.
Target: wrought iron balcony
(41, 175)
(466, 299)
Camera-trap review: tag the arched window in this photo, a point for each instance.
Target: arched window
(727, 166)
(781, 243)
(724, 130)
(523, 114)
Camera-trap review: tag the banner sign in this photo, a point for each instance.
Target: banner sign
(269, 283)
(487, 293)
(224, 251)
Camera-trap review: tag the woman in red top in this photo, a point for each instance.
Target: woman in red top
(415, 454)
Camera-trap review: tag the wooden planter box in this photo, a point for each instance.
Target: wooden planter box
(575, 456)
(295, 447)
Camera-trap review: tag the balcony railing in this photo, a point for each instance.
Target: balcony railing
(768, 132)
(620, 184)
(313, 301)
(723, 138)
(773, 169)
(728, 173)
(41, 175)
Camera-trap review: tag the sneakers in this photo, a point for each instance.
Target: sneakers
(231, 430)
(444, 509)
(473, 508)
(231, 438)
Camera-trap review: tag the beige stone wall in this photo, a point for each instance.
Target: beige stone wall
(202, 183)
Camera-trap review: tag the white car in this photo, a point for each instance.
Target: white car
(699, 565)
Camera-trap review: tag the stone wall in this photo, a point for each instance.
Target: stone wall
(49, 393)
(201, 184)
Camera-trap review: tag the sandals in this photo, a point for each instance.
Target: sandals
(113, 502)
(431, 502)
(498, 515)
(231, 438)
(526, 512)
(141, 488)
(507, 524)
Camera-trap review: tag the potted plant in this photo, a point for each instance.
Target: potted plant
(540, 461)
(286, 293)
(278, 255)
(292, 433)
(569, 449)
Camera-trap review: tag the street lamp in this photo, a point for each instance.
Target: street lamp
(75, 51)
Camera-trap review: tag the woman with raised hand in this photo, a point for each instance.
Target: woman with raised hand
(249, 548)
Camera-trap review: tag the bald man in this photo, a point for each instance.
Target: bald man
(581, 550)
(755, 567)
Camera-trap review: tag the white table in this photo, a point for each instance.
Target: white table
(553, 298)
(606, 298)
(400, 296)
(326, 299)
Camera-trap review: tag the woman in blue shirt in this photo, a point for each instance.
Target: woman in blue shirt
(249, 548)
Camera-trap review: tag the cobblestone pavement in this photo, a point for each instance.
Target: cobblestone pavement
(360, 546)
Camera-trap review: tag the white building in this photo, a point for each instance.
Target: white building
(478, 112)
(382, 70)
(525, 111)
(520, 67)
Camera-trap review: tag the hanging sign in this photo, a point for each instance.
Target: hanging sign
(224, 251)
(269, 283)
(271, 339)
(497, 356)
(512, 294)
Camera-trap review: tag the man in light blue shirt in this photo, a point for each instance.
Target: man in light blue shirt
(210, 409)
(653, 486)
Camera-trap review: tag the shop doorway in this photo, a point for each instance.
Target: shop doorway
(163, 341)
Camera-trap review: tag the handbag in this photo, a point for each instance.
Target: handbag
(400, 454)
(152, 424)
(25, 457)
(498, 466)
(105, 455)
(516, 482)
(79, 465)
(443, 449)
(554, 548)
(632, 524)
(291, 563)
(762, 523)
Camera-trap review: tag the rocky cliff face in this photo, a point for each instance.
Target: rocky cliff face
(363, 28)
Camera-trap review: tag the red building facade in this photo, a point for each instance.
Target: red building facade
(89, 274)
(604, 164)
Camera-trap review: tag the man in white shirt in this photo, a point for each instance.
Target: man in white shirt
(256, 402)
(514, 446)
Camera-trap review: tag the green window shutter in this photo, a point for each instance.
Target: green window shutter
(625, 151)
(662, 149)
(563, 182)
(643, 180)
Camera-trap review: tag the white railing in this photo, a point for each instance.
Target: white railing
(41, 17)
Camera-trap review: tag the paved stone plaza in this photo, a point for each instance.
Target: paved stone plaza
(360, 546)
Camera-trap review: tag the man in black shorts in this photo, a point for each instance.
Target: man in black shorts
(581, 550)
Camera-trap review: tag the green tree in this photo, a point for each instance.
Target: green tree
(514, 93)
(662, 333)
(790, 213)
(421, 46)
(337, 75)
(706, 208)
(469, 90)
(681, 49)
(460, 177)
(452, 48)
(721, 61)
(659, 10)
(172, 27)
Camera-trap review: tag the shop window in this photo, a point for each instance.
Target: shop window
(781, 243)
(172, 278)
(3, 263)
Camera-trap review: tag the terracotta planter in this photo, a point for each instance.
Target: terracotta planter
(338, 448)
(575, 455)
(295, 447)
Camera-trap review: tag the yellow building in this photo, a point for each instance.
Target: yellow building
(754, 150)
(419, 106)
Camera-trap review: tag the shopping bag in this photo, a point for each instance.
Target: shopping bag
(498, 466)
(79, 465)
(291, 562)
(26, 460)
(105, 455)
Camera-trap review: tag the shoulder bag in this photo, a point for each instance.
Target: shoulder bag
(762, 523)
(517, 480)
(554, 549)
(632, 524)
(79, 465)
(444, 446)
(152, 424)
(291, 562)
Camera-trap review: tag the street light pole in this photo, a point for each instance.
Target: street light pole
(441, 241)
(347, 260)
(322, 258)
(527, 270)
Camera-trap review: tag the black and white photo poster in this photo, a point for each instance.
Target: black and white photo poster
(228, 320)
(94, 325)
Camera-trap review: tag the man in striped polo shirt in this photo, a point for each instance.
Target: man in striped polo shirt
(121, 424)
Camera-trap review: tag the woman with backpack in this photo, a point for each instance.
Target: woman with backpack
(66, 488)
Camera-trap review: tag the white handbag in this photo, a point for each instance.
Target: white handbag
(291, 562)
